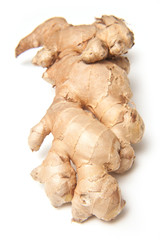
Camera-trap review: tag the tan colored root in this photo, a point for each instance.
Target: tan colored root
(58, 177)
(36, 38)
(127, 156)
(93, 159)
(99, 196)
(122, 62)
(44, 58)
(94, 42)
(116, 35)
(95, 51)
(91, 118)
(37, 135)
(110, 102)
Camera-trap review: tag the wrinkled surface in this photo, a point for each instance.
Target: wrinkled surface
(92, 154)
(91, 117)
(106, 37)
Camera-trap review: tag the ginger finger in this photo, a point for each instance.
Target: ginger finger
(95, 51)
(44, 58)
(57, 175)
(37, 134)
(36, 38)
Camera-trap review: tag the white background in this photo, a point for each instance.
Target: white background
(25, 211)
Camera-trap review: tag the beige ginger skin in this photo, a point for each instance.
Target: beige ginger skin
(91, 117)
(84, 140)
(103, 88)
(107, 36)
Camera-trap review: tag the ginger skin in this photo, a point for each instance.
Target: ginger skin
(96, 192)
(90, 118)
(108, 36)
(109, 103)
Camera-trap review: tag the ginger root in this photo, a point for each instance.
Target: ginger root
(91, 117)
(84, 140)
(103, 88)
(108, 36)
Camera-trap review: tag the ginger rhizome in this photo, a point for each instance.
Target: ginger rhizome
(93, 149)
(106, 37)
(91, 118)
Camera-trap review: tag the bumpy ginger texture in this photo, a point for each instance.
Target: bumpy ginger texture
(91, 118)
